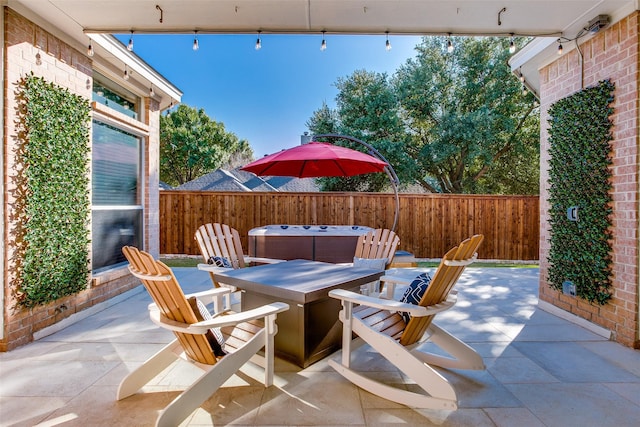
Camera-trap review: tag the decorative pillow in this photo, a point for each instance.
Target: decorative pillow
(214, 335)
(374, 263)
(220, 261)
(414, 292)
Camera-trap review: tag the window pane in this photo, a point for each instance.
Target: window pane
(112, 229)
(116, 167)
(113, 96)
(117, 211)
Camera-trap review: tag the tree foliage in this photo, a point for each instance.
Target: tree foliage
(451, 122)
(192, 144)
(366, 110)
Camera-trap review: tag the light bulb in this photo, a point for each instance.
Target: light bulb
(512, 45)
(196, 45)
(559, 48)
(258, 42)
(152, 92)
(449, 46)
(323, 46)
(130, 45)
(521, 77)
(387, 45)
(90, 51)
(126, 73)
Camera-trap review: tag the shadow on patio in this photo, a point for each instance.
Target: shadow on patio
(541, 371)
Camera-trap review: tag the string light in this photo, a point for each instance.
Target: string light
(323, 45)
(152, 92)
(258, 42)
(512, 45)
(196, 45)
(559, 47)
(387, 45)
(449, 44)
(90, 51)
(130, 45)
(126, 73)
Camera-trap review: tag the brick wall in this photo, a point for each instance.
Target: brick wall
(611, 54)
(31, 49)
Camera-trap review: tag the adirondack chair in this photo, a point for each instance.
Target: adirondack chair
(379, 243)
(379, 323)
(198, 337)
(376, 245)
(221, 247)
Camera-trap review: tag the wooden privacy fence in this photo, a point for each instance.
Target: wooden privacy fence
(428, 225)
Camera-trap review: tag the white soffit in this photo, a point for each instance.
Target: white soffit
(482, 17)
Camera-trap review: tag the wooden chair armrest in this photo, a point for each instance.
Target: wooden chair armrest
(219, 321)
(156, 277)
(395, 280)
(213, 292)
(461, 262)
(391, 305)
(248, 259)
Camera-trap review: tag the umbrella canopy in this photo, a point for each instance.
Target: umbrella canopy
(316, 159)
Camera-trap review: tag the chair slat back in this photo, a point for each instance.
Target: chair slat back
(379, 243)
(170, 299)
(443, 280)
(222, 241)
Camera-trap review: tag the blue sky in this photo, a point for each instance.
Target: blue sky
(266, 96)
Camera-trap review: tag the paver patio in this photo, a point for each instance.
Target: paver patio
(541, 371)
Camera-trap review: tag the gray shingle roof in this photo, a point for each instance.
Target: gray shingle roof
(238, 180)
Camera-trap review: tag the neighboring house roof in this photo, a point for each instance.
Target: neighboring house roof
(165, 186)
(237, 180)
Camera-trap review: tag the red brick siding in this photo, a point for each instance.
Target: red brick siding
(611, 54)
(71, 69)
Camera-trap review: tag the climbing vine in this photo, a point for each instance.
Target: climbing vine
(52, 207)
(580, 184)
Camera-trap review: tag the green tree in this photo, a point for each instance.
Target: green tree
(472, 127)
(192, 144)
(367, 109)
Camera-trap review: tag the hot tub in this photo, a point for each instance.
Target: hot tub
(327, 243)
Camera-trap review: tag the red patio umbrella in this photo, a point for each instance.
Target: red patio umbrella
(316, 159)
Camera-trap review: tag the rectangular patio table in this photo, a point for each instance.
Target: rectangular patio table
(310, 329)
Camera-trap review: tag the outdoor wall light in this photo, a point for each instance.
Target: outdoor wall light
(323, 45)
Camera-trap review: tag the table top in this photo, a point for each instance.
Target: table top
(298, 280)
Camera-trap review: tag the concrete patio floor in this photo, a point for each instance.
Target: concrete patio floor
(541, 371)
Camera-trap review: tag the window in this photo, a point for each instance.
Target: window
(117, 210)
(113, 96)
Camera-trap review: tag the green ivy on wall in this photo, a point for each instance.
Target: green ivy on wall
(580, 177)
(52, 208)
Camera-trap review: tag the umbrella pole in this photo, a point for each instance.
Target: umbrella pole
(391, 173)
